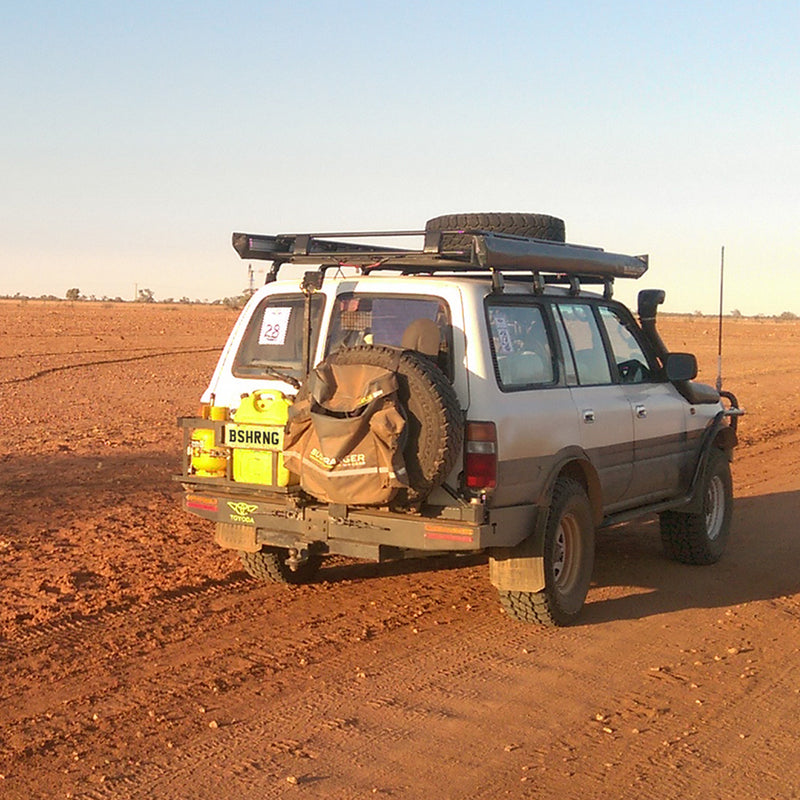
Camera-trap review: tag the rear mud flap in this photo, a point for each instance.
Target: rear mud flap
(236, 537)
(520, 568)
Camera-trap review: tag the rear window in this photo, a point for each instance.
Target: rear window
(419, 323)
(273, 342)
(520, 345)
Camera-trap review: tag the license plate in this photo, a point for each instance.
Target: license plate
(254, 437)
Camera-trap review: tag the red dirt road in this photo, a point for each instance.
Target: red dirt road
(139, 661)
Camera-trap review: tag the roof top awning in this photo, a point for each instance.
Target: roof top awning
(488, 252)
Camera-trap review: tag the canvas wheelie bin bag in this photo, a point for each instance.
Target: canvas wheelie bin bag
(346, 433)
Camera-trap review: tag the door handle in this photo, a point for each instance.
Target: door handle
(641, 411)
(588, 415)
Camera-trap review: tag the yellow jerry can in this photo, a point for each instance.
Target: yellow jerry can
(208, 459)
(257, 439)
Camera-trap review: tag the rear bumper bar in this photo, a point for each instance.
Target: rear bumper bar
(248, 521)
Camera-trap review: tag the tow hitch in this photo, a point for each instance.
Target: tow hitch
(297, 557)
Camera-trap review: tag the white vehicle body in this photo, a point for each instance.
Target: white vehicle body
(560, 392)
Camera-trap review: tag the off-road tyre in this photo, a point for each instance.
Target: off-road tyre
(568, 562)
(537, 226)
(269, 564)
(700, 538)
(434, 420)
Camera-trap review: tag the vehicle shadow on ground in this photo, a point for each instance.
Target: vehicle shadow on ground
(633, 579)
(346, 569)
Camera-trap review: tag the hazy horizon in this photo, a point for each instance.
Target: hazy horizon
(138, 137)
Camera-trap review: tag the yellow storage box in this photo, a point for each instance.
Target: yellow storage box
(257, 439)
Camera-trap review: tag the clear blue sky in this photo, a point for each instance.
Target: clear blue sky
(137, 136)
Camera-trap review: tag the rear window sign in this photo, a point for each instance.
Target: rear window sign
(274, 325)
(504, 343)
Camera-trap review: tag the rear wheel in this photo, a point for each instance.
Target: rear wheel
(568, 561)
(269, 564)
(701, 537)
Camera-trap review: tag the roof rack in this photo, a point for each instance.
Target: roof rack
(488, 252)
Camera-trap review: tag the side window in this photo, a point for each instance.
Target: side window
(520, 345)
(570, 375)
(631, 361)
(414, 323)
(273, 341)
(591, 362)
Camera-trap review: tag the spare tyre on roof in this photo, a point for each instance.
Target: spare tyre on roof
(537, 226)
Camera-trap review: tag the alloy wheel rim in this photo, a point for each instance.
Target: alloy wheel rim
(715, 507)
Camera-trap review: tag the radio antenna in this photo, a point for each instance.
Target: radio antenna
(719, 344)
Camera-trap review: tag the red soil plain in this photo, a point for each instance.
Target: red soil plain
(139, 661)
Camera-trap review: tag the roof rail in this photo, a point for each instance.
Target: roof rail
(488, 252)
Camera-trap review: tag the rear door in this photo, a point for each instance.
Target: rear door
(604, 411)
(533, 412)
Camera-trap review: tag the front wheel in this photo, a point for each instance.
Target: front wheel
(701, 537)
(568, 562)
(269, 564)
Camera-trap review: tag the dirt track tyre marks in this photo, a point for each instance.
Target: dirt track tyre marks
(472, 679)
(117, 625)
(417, 697)
(446, 678)
(712, 753)
(91, 351)
(104, 362)
(162, 656)
(74, 632)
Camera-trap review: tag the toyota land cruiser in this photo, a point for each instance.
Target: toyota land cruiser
(484, 392)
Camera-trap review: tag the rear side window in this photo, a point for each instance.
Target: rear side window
(520, 346)
(418, 323)
(273, 342)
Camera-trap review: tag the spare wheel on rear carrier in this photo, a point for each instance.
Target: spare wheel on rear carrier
(434, 421)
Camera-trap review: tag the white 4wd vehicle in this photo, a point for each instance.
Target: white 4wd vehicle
(469, 395)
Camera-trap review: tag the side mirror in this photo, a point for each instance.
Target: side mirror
(681, 367)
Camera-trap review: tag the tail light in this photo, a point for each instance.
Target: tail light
(480, 456)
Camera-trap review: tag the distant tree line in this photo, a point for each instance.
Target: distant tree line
(237, 301)
(75, 295)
